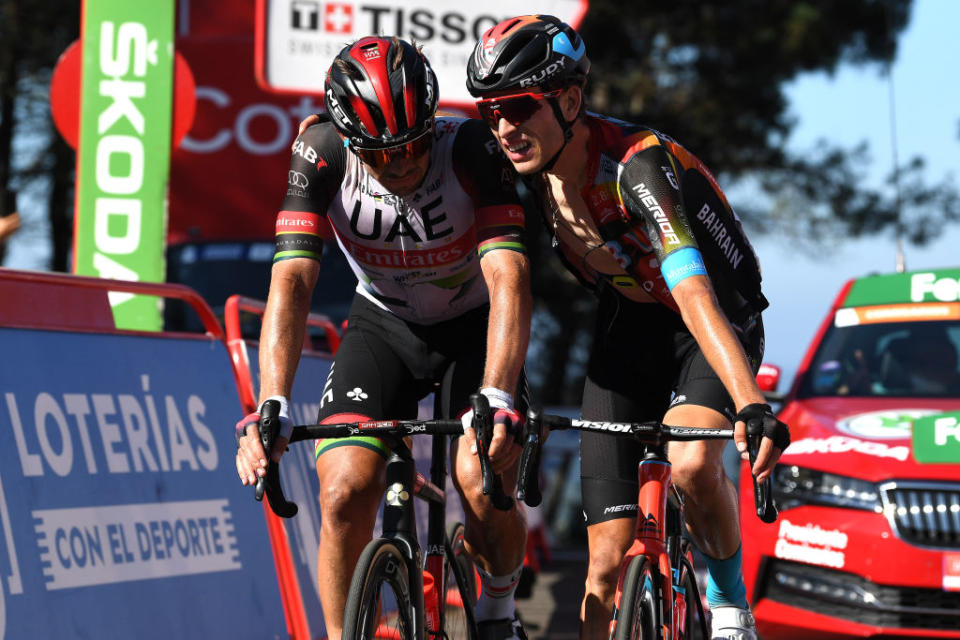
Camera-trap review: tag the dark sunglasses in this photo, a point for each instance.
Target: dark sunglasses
(516, 108)
(378, 158)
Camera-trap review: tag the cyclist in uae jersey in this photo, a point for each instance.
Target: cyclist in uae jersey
(679, 335)
(422, 211)
(414, 256)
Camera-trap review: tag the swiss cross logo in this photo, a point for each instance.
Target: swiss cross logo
(338, 18)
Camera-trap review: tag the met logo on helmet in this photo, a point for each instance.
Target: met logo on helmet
(945, 289)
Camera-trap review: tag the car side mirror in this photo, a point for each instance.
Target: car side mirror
(768, 377)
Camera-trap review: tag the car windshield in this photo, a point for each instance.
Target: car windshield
(916, 359)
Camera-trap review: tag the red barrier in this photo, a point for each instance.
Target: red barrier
(41, 300)
(236, 345)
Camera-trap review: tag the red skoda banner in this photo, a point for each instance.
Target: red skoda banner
(297, 39)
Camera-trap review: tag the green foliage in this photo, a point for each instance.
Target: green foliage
(712, 75)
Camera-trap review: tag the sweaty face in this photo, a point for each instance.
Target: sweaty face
(399, 169)
(526, 128)
(402, 176)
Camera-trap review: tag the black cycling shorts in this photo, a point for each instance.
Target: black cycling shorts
(643, 361)
(386, 365)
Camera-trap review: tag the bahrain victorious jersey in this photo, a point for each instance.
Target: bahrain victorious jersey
(660, 216)
(417, 256)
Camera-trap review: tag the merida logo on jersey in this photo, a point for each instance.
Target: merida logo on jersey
(650, 202)
(714, 225)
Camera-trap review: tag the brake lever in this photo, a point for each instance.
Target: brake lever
(762, 491)
(483, 427)
(269, 484)
(528, 480)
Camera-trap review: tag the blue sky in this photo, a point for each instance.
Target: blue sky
(850, 107)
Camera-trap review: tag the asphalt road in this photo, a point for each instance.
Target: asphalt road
(553, 609)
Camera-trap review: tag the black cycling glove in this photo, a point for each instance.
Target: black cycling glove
(759, 419)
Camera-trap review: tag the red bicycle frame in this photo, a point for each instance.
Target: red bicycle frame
(650, 537)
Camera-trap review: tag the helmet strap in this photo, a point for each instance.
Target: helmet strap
(567, 128)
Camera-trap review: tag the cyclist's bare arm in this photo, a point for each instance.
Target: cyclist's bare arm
(281, 341)
(702, 314)
(507, 274)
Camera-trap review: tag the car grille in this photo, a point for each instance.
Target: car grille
(924, 514)
(850, 597)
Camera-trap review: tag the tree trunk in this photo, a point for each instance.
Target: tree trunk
(60, 204)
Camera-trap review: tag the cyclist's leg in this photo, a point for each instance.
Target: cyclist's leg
(495, 539)
(711, 498)
(367, 380)
(628, 379)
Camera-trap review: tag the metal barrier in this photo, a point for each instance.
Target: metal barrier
(120, 510)
(298, 619)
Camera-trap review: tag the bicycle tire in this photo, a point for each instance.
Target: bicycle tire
(460, 588)
(638, 617)
(381, 564)
(695, 624)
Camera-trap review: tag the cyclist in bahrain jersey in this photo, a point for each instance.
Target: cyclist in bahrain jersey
(642, 222)
(427, 216)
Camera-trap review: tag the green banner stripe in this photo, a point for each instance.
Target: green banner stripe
(941, 285)
(123, 161)
(936, 439)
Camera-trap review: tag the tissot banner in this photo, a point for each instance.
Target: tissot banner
(124, 156)
(121, 515)
(299, 38)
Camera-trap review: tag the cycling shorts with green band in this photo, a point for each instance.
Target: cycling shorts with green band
(386, 365)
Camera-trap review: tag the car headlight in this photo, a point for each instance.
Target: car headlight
(795, 486)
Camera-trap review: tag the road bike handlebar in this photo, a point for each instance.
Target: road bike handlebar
(269, 427)
(483, 427)
(656, 433)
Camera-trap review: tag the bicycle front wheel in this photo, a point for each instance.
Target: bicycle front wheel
(693, 623)
(460, 588)
(378, 603)
(638, 616)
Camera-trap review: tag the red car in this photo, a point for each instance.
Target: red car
(867, 544)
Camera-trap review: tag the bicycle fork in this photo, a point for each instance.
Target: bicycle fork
(399, 525)
(650, 537)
